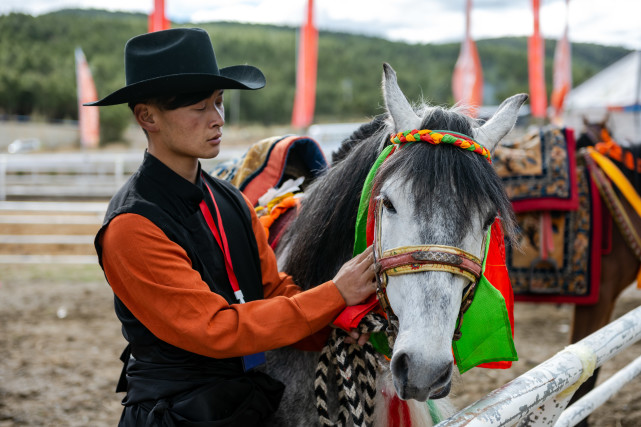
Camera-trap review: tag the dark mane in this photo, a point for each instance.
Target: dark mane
(322, 236)
(320, 240)
(432, 171)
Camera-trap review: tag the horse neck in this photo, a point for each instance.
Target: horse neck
(321, 238)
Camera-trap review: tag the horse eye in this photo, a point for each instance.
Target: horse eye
(387, 204)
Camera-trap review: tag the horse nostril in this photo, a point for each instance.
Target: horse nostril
(445, 376)
(400, 367)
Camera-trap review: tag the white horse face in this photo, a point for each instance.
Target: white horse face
(426, 303)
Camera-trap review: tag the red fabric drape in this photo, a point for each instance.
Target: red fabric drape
(497, 274)
(536, 62)
(157, 19)
(562, 72)
(305, 98)
(88, 117)
(467, 80)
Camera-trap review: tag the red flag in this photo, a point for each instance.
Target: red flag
(305, 98)
(88, 117)
(467, 80)
(562, 71)
(536, 62)
(157, 19)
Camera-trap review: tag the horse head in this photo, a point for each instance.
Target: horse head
(428, 195)
(435, 195)
(593, 132)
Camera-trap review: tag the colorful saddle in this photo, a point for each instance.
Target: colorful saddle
(270, 174)
(559, 213)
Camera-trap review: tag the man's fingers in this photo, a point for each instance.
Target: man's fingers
(363, 339)
(367, 256)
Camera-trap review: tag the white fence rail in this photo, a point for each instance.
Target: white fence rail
(52, 227)
(78, 175)
(65, 174)
(540, 396)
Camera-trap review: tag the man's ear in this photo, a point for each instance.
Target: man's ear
(144, 115)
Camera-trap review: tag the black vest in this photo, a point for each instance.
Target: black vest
(158, 369)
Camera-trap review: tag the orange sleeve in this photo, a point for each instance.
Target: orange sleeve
(154, 278)
(276, 283)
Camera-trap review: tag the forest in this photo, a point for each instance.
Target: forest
(37, 71)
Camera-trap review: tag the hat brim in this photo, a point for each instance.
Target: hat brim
(244, 77)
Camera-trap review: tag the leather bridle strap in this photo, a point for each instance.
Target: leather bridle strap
(413, 259)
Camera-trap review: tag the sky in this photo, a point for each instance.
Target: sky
(606, 22)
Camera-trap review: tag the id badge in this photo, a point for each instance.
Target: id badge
(253, 361)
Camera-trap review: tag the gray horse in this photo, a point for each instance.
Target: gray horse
(431, 194)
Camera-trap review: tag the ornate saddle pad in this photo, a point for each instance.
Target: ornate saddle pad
(559, 217)
(271, 161)
(536, 170)
(269, 164)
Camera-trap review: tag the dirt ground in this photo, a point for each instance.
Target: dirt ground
(60, 343)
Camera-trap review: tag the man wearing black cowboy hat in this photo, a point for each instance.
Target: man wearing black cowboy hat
(196, 285)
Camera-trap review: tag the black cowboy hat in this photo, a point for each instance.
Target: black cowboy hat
(177, 61)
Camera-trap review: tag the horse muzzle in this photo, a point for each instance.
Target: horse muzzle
(419, 381)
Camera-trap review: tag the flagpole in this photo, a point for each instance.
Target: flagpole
(467, 79)
(88, 117)
(305, 97)
(157, 19)
(562, 77)
(536, 62)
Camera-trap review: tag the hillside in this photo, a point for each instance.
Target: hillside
(37, 75)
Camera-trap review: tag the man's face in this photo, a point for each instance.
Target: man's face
(193, 131)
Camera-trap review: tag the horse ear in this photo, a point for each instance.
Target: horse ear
(397, 105)
(501, 122)
(586, 122)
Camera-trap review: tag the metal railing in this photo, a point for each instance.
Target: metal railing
(540, 396)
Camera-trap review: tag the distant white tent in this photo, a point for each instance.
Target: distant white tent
(615, 91)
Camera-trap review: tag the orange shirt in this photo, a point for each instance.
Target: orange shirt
(154, 278)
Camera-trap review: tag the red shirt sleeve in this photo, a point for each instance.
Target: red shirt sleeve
(154, 278)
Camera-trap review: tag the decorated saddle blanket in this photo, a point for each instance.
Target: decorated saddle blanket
(559, 213)
(270, 162)
(559, 259)
(536, 170)
(272, 174)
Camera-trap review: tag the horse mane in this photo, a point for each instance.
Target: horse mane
(321, 237)
(320, 240)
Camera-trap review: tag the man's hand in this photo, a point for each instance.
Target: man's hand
(356, 279)
(356, 337)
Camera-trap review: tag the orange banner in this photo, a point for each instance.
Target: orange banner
(88, 117)
(536, 64)
(305, 98)
(467, 80)
(157, 19)
(562, 78)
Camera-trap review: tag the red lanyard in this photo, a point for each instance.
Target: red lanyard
(221, 238)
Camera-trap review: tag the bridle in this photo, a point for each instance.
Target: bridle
(414, 259)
